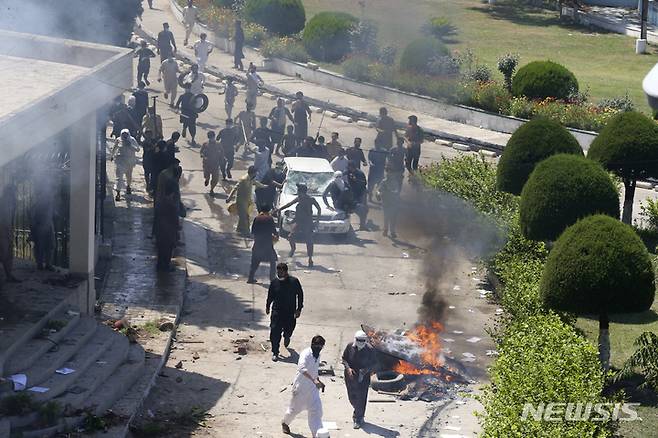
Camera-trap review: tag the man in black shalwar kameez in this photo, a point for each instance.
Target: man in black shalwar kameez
(359, 361)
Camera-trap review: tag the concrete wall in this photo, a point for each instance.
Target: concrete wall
(613, 3)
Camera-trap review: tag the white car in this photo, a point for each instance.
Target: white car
(317, 174)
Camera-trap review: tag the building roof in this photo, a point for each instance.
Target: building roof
(53, 83)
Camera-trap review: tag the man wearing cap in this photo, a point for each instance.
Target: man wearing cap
(123, 155)
(359, 361)
(306, 389)
(303, 225)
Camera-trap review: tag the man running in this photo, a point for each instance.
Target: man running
(301, 118)
(303, 224)
(211, 153)
(166, 43)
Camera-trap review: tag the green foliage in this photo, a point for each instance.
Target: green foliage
(419, 53)
(649, 214)
(363, 38)
(542, 79)
(599, 265)
(439, 27)
(644, 359)
(327, 35)
(562, 189)
(481, 73)
(628, 146)
(622, 103)
(472, 179)
(254, 34)
(507, 66)
(542, 359)
(285, 47)
(281, 17)
(533, 142)
(49, 413)
(357, 68)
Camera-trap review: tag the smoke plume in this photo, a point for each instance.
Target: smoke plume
(454, 235)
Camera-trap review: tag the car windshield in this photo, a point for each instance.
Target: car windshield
(316, 182)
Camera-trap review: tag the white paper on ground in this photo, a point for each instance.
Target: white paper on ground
(468, 359)
(38, 389)
(457, 332)
(473, 340)
(64, 371)
(453, 428)
(19, 380)
(456, 287)
(448, 340)
(469, 355)
(331, 425)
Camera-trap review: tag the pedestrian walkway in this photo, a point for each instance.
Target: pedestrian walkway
(618, 20)
(222, 63)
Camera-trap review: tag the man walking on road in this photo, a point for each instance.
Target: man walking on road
(303, 225)
(389, 193)
(385, 130)
(286, 298)
(166, 43)
(144, 63)
(253, 82)
(357, 182)
(355, 154)
(211, 153)
(414, 138)
(228, 139)
(202, 49)
(301, 114)
(238, 40)
(189, 19)
(230, 93)
(264, 231)
(243, 192)
(188, 114)
(123, 155)
(306, 389)
(359, 361)
(169, 73)
(279, 115)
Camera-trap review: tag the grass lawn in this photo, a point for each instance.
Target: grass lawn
(624, 329)
(605, 62)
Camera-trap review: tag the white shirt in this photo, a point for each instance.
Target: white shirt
(252, 81)
(202, 49)
(309, 364)
(169, 69)
(340, 163)
(261, 162)
(197, 86)
(189, 14)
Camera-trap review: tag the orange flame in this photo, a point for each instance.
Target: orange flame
(428, 339)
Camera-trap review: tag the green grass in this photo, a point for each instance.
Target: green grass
(605, 62)
(624, 329)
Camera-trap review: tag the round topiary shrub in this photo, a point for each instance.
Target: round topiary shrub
(327, 35)
(628, 146)
(420, 53)
(533, 142)
(542, 79)
(598, 265)
(562, 189)
(282, 17)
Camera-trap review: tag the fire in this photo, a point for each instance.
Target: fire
(428, 339)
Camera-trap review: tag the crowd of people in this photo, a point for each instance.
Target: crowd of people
(265, 142)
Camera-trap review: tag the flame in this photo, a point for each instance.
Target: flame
(428, 339)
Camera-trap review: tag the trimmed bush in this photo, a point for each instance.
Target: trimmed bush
(628, 146)
(542, 79)
(598, 265)
(542, 360)
(439, 27)
(419, 54)
(327, 35)
(357, 68)
(533, 142)
(282, 17)
(561, 190)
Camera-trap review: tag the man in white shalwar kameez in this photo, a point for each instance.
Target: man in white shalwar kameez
(306, 389)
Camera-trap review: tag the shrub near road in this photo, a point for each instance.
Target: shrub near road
(281, 17)
(542, 79)
(533, 142)
(327, 35)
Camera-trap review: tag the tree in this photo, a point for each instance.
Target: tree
(628, 146)
(561, 190)
(533, 142)
(599, 266)
(283, 17)
(102, 21)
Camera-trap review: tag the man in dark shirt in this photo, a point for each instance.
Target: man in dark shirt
(359, 360)
(264, 232)
(286, 298)
(141, 102)
(171, 148)
(377, 160)
(320, 149)
(414, 138)
(307, 149)
(188, 114)
(355, 153)
(385, 129)
(273, 178)
(357, 182)
(395, 161)
(228, 138)
(144, 63)
(166, 43)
